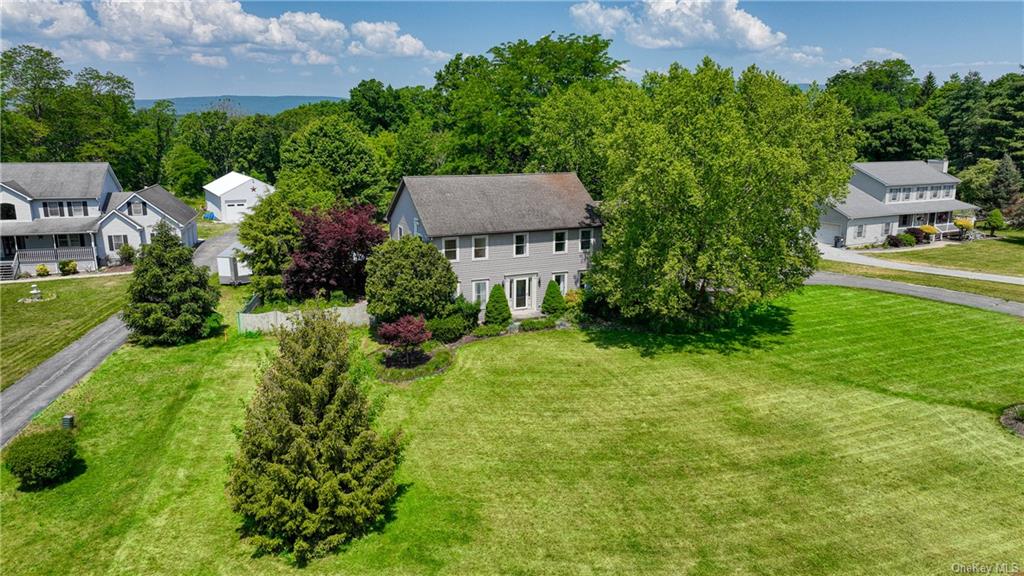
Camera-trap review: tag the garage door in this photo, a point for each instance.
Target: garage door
(827, 232)
(234, 210)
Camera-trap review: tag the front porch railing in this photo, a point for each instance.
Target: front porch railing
(40, 255)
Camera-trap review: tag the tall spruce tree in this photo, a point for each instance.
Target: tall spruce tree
(311, 473)
(170, 299)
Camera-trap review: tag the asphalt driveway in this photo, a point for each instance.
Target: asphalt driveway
(20, 402)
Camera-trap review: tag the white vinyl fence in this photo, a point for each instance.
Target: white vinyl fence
(266, 321)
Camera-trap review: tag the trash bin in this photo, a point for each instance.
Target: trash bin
(838, 242)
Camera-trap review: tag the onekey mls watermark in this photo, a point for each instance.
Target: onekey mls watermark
(1011, 568)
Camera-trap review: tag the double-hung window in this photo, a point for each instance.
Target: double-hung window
(137, 209)
(401, 232)
(450, 247)
(52, 209)
(860, 231)
(115, 241)
(586, 239)
(561, 241)
(520, 244)
(888, 228)
(894, 194)
(78, 209)
(922, 191)
(906, 194)
(479, 247)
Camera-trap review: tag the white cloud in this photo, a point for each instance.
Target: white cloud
(48, 18)
(845, 63)
(878, 53)
(680, 24)
(383, 38)
(129, 29)
(210, 61)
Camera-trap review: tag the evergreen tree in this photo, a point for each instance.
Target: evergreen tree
(170, 299)
(497, 312)
(1006, 183)
(311, 473)
(554, 303)
(928, 86)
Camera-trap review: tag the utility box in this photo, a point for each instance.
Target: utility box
(68, 421)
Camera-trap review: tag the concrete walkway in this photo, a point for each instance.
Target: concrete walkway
(20, 402)
(853, 257)
(927, 292)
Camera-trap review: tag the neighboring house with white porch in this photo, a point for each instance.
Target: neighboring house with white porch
(519, 231)
(55, 211)
(234, 195)
(886, 198)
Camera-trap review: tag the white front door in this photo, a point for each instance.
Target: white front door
(521, 293)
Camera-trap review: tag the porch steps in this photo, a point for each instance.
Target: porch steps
(7, 271)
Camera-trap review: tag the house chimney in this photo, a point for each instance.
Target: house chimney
(942, 165)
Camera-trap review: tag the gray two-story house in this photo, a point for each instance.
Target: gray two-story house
(519, 231)
(886, 198)
(55, 211)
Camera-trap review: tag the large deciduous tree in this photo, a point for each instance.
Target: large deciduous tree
(337, 146)
(256, 147)
(185, 171)
(714, 197)
(311, 473)
(902, 135)
(332, 252)
(408, 277)
(208, 133)
(170, 300)
(871, 87)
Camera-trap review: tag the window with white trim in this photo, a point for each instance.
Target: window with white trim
(479, 247)
(586, 239)
(559, 278)
(450, 247)
(401, 232)
(888, 228)
(561, 241)
(922, 191)
(137, 209)
(70, 240)
(860, 231)
(520, 244)
(906, 194)
(115, 241)
(53, 209)
(78, 209)
(480, 292)
(415, 225)
(894, 194)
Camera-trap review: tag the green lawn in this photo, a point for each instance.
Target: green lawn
(208, 230)
(31, 333)
(1003, 255)
(849, 432)
(1011, 292)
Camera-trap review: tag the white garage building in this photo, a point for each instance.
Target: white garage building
(234, 195)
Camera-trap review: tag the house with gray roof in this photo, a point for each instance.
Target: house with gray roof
(886, 198)
(519, 231)
(54, 211)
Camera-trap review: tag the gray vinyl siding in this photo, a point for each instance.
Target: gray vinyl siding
(874, 230)
(541, 261)
(114, 226)
(22, 208)
(405, 215)
(869, 185)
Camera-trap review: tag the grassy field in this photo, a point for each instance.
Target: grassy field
(208, 229)
(834, 436)
(31, 333)
(1003, 255)
(1011, 292)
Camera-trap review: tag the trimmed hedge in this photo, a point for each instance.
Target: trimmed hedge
(488, 330)
(448, 329)
(41, 458)
(537, 324)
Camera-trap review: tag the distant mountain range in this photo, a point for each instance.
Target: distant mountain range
(241, 105)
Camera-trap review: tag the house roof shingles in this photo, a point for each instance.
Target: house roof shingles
(495, 203)
(167, 203)
(45, 180)
(905, 173)
(44, 226)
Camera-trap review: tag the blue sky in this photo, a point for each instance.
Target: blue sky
(324, 48)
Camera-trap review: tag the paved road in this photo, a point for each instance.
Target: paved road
(853, 257)
(928, 292)
(26, 397)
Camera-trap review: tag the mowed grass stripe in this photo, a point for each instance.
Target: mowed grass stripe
(792, 449)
